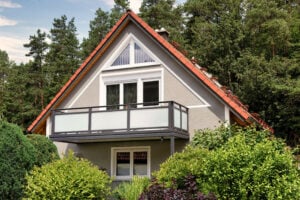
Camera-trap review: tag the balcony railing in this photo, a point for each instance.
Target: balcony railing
(142, 117)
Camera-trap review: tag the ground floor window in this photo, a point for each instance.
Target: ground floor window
(130, 161)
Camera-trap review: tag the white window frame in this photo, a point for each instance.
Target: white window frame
(115, 150)
(130, 40)
(138, 77)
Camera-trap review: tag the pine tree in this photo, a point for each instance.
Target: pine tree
(63, 57)
(165, 14)
(99, 27)
(4, 73)
(38, 47)
(215, 35)
(101, 24)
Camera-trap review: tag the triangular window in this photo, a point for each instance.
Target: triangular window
(131, 55)
(123, 58)
(140, 56)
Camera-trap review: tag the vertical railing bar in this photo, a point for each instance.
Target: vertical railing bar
(180, 109)
(53, 122)
(90, 121)
(171, 115)
(128, 118)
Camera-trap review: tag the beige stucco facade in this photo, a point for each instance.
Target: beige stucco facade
(175, 84)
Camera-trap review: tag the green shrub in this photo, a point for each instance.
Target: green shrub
(46, 151)
(16, 158)
(212, 139)
(133, 189)
(243, 170)
(250, 165)
(68, 178)
(179, 165)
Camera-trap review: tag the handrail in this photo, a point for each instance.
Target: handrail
(126, 117)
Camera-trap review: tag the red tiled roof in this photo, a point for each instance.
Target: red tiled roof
(235, 105)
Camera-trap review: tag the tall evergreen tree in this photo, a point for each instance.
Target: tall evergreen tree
(164, 14)
(101, 24)
(215, 35)
(99, 27)
(4, 73)
(37, 49)
(63, 57)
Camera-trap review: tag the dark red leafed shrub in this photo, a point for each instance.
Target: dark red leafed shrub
(188, 190)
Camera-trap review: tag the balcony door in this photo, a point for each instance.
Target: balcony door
(124, 93)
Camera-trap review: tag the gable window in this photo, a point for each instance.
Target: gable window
(123, 58)
(130, 161)
(132, 54)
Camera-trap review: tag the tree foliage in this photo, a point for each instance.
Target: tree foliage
(250, 165)
(68, 178)
(46, 151)
(17, 156)
(252, 46)
(63, 57)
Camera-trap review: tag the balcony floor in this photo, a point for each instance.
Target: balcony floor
(118, 136)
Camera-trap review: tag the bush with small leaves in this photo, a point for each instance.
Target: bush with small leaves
(250, 165)
(133, 189)
(46, 151)
(16, 158)
(68, 178)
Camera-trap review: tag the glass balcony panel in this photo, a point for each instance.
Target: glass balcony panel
(109, 120)
(176, 118)
(71, 122)
(184, 121)
(149, 118)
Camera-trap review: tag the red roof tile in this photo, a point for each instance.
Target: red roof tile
(236, 106)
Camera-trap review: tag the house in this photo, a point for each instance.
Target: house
(135, 101)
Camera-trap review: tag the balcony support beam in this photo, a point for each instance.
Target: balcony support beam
(172, 145)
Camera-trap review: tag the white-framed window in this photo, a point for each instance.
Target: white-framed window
(131, 53)
(143, 87)
(127, 162)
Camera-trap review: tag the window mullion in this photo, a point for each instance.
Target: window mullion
(121, 100)
(131, 52)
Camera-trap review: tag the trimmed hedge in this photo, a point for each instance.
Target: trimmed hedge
(16, 158)
(46, 151)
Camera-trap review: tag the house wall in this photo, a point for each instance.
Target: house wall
(100, 153)
(205, 110)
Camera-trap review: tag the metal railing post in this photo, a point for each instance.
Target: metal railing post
(90, 121)
(171, 115)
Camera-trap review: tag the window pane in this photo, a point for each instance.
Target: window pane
(151, 93)
(140, 56)
(123, 58)
(123, 164)
(112, 96)
(130, 93)
(140, 163)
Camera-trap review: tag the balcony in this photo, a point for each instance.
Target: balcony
(120, 122)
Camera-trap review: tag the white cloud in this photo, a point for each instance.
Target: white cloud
(135, 5)
(14, 48)
(109, 3)
(7, 22)
(9, 4)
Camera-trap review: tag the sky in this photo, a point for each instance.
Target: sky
(21, 18)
